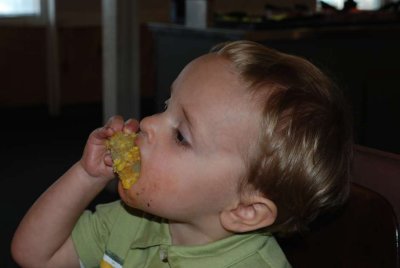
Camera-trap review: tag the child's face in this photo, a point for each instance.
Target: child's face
(193, 154)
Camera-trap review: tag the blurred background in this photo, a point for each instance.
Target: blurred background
(67, 65)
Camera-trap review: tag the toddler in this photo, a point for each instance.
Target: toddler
(253, 142)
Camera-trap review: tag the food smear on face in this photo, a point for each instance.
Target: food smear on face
(126, 157)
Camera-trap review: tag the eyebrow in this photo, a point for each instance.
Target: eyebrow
(187, 116)
(188, 119)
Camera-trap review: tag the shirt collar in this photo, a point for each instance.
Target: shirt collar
(154, 231)
(217, 254)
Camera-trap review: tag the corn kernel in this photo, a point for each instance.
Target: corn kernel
(126, 157)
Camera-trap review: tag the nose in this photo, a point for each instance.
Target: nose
(148, 127)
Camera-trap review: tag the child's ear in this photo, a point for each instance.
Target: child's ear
(250, 215)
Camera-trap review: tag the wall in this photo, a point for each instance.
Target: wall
(23, 53)
(22, 65)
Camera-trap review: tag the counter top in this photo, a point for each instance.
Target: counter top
(371, 30)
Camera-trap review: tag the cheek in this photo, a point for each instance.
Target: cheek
(150, 190)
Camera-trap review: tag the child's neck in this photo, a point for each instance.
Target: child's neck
(185, 234)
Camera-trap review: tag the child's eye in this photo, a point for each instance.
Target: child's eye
(180, 139)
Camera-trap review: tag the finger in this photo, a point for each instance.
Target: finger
(108, 160)
(110, 172)
(98, 136)
(131, 126)
(116, 123)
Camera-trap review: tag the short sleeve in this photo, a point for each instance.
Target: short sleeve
(92, 230)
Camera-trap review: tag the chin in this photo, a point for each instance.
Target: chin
(126, 196)
(123, 193)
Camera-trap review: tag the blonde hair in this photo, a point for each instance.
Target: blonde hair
(303, 156)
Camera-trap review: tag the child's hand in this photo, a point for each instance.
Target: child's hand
(96, 160)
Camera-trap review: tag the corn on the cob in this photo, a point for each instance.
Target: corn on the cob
(126, 157)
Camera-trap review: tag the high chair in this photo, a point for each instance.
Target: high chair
(363, 233)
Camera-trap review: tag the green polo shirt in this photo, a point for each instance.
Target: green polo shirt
(114, 236)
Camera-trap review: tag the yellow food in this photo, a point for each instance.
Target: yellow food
(126, 157)
(104, 264)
